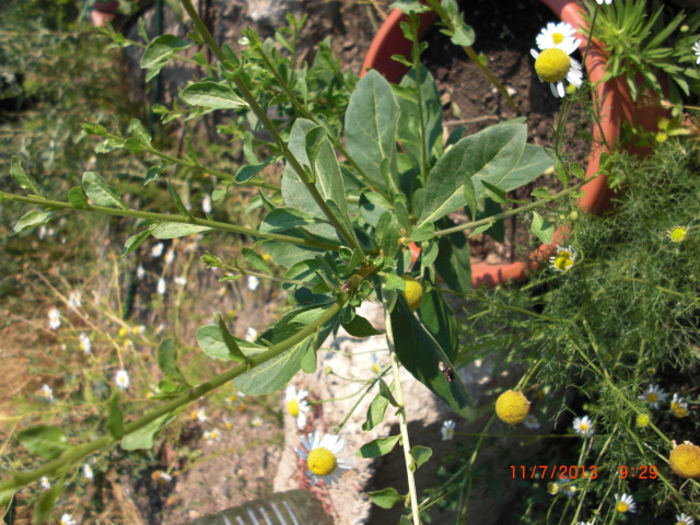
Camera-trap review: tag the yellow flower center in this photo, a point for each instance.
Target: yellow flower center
(563, 261)
(680, 411)
(321, 461)
(685, 460)
(583, 427)
(557, 38)
(652, 398)
(293, 407)
(375, 368)
(413, 292)
(512, 407)
(622, 506)
(123, 331)
(643, 420)
(678, 234)
(552, 65)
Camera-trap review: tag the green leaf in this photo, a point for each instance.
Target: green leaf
(167, 361)
(32, 218)
(115, 418)
(373, 206)
(255, 260)
(360, 327)
(496, 193)
(161, 48)
(463, 34)
(135, 241)
(177, 200)
(440, 321)
(211, 340)
(283, 219)
(385, 498)
(171, 230)
(421, 454)
(247, 172)
(388, 234)
(46, 441)
(378, 447)
(543, 229)
(370, 128)
(453, 262)
(234, 353)
(139, 133)
(420, 353)
(308, 361)
(490, 154)
(385, 392)
(273, 374)
(101, 194)
(77, 198)
(22, 178)
(212, 95)
(144, 438)
(375, 412)
(46, 503)
(534, 161)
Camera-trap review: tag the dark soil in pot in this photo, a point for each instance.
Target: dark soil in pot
(505, 33)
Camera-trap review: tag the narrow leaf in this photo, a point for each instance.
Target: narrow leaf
(115, 418)
(171, 230)
(25, 181)
(144, 438)
(212, 95)
(360, 327)
(375, 412)
(234, 353)
(101, 194)
(32, 218)
(378, 447)
(167, 361)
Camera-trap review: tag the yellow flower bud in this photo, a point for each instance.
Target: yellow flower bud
(685, 460)
(512, 407)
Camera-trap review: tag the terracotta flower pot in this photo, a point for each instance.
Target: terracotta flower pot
(613, 99)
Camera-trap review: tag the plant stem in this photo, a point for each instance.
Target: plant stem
(533, 205)
(403, 425)
(344, 232)
(165, 217)
(435, 6)
(76, 453)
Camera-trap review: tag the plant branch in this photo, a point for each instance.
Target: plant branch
(165, 217)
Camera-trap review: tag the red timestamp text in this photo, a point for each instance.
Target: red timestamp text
(553, 471)
(638, 472)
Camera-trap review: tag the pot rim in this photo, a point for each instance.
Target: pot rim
(612, 98)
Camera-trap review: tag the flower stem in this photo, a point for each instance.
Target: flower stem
(403, 425)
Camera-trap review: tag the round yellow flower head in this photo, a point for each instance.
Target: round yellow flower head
(643, 420)
(413, 292)
(321, 461)
(685, 460)
(678, 234)
(512, 407)
(552, 65)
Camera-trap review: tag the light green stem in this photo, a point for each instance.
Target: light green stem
(165, 217)
(76, 453)
(403, 425)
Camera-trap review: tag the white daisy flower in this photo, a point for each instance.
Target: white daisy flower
(243, 41)
(180, 280)
(321, 456)
(54, 319)
(559, 35)
(88, 475)
(121, 378)
(678, 406)
(583, 426)
(296, 405)
(157, 250)
(84, 342)
(589, 522)
(46, 392)
(696, 50)
(567, 487)
(553, 65)
(140, 272)
(684, 519)
(253, 283)
(625, 503)
(531, 422)
(206, 204)
(199, 414)
(75, 299)
(564, 259)
(447, 430)
(257, 421)
(169, 257)
(44, 483)
(601, 2)
(67, 519)
(210, 436)
(160, 287)
(139, 330)
(251, 334)
(653, 395)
